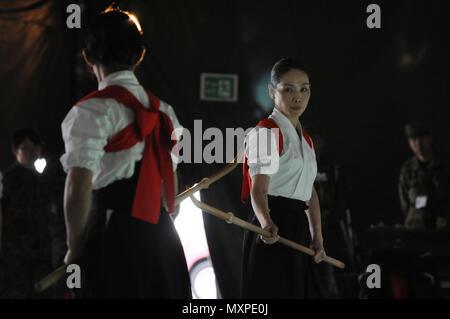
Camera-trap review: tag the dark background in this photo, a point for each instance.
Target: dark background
(366, 83)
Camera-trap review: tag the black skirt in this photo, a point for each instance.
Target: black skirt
(277, 271)
(126, 257)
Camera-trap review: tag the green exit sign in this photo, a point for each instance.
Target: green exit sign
(219, 87)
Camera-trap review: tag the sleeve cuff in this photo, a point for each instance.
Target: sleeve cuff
(74, 160)
(262, 152)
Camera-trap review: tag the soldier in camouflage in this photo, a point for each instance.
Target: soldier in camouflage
(424, 183)
(26, 249)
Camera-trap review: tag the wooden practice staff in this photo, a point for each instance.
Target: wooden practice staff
(50, 279)
(231, 219)
(60, 272)
(205, 182)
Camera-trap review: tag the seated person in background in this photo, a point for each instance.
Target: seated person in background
(424, 183)
(26, 251)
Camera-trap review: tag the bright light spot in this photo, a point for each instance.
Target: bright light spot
(261, 93)
(189, 222)
(40, 164)
(189, 225)
(203, 286)
(132, 17)
(135, 20)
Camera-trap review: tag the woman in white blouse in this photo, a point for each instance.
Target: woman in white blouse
(283, 196)
(124, 240)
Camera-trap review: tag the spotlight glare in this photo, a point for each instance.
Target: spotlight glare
(132, 17)
(40, 165)
(135, 20)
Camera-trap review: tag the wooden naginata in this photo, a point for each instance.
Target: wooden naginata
(231, 219)
(60, 272)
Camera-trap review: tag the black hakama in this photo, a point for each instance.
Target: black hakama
(126, 257)
(277, 271)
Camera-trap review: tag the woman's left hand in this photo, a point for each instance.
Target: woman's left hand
(317, 246)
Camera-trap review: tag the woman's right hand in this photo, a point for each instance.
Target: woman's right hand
(273, 229)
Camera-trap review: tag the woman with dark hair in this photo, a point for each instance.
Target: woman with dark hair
(118, 153)
(279, 172)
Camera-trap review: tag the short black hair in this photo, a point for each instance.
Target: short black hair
(417, 129)
(114, 40)
(22, 134)
(283, 66)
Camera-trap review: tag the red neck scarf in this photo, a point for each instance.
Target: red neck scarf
(155, 127)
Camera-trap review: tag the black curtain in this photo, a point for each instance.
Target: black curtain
(36, 71)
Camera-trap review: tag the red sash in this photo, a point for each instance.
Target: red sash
(246, 179)
(155, 127)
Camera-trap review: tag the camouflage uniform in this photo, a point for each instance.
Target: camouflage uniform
(430, 179)
(26, 251)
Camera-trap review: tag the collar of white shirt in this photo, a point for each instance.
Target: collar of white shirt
(125, 77)
(283, 121)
